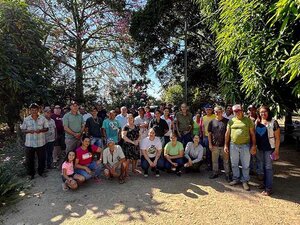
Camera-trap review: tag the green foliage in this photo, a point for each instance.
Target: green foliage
(257, 50)
(158, 30)
(12, 172)
(25, 65)
(173, 94)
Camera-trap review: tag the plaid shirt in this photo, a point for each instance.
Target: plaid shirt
(35, 140)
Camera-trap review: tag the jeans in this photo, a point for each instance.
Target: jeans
(264, 157)
(179, 161)
(97, 141)
(185, 138)
(30, 158)
(93, 167)
(145, 164)
(195, 166)
(208, 152)
(240, 153)
(49, 153)
(216, 152)
(256, 165)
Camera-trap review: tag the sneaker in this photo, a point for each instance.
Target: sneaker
(246, 186)
(267, 193)
(146, 174)
(157, 173)
(234, 182)
(213, 176)
(178, 173)
(64, 187)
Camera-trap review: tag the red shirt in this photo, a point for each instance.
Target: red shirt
(84, 156)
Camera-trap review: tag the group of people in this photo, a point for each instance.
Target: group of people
(100, 142)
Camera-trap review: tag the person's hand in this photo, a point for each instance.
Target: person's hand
(190, 162)
(253, 150)
(175, 164)
(88, 170)
(152, 164)
(210, 147)
(226, 150)
(187, 164)
(136, 142)
(77, 135)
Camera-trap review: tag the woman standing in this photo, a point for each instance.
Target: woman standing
(268, 141)
(131, 136)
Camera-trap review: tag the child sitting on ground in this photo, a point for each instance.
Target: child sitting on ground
(68, 176)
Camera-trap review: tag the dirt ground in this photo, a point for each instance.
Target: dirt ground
(190, 199)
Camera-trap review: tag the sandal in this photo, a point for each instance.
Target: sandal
(97, 180)
(267, 193)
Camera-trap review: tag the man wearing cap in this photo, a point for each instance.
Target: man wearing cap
(113, 157)
(204, 132)
(59, 143)
(184, 125)
(216, 137)
(239, 133)
(50, 137)
(35, 126)
(73, 126)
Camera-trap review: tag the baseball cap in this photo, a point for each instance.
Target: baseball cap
(208, 106)
(110, 140)
(236, 107)
(251, 107)
(33, 105)
(47, 109)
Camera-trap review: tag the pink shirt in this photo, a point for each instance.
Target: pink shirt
(69, 168)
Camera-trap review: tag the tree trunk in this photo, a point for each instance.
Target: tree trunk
(79, 74)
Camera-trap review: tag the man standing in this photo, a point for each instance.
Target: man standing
(94, 126)
(239, 133)
(122, 117)
(184, 125)
(216, 138)
(84, 113)
(204, 132)
(111, 127)
(74, 127)
(228, 114)
(35, 127)
(159, 125)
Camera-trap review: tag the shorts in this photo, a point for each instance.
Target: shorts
(64, 179)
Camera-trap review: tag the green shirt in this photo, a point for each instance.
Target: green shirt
(196, 128)
(173, 150)
(184, 122)
(74, 122)
(240, 130)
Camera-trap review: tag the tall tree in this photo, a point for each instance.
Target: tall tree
(89, 38)
(159, 29)
(257, 49)
(25, 65)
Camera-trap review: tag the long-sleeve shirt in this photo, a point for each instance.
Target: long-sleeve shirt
(194, 153)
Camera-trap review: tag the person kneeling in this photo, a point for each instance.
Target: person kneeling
(174, 154)
(151, 153)
(113, 157)
(193, 155)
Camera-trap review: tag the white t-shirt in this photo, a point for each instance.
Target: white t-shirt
(138, 121)
(169, 122)
(113, 158)
(151, 146)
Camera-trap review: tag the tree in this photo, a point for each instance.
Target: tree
(25, 65)
(89, 38)
(158, 30)
(257, 49)
(173, 94)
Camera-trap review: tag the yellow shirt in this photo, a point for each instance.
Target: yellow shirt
(206, 119)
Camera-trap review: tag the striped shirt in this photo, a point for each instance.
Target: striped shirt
(35, 140)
